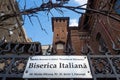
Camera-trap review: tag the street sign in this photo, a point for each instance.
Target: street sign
(57, 67)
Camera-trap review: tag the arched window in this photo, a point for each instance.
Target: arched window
(102, 44)
(98, 36)
(60, 45)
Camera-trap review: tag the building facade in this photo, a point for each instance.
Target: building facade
(103, 29)
(11, 28)
(15, 47)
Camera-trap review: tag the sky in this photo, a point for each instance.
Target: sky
(34, 30)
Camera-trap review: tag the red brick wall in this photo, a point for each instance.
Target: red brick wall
(60, 29)
(106, 26)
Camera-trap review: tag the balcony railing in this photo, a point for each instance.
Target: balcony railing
(102, 66)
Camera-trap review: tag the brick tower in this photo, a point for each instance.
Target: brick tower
(60, 29)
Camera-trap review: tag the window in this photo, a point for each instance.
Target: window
(101, 4)
(57, 36)
(2, 13)
(102, 44)
(10, 31)
(8, 7)
(60, 46)
(117, 6)
(98, 36)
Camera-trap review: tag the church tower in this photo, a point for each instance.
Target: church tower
(60, 37)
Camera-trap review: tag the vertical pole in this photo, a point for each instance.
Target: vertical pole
(91, 67)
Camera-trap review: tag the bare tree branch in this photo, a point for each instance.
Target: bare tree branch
(49, 6)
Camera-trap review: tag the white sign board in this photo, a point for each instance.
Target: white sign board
(57, 67)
